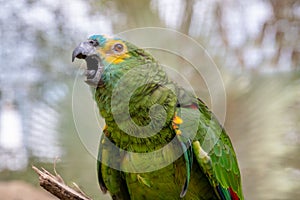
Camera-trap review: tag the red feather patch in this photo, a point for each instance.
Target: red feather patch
(233, 195)
(192, 106)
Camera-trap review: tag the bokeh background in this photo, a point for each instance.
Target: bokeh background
(255, 44)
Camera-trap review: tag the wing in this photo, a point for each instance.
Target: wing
(110, 179)
(211, 146)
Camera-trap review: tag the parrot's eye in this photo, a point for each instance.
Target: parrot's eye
(94, 42)
(118, 47)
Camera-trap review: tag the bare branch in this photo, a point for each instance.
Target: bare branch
(56, 186)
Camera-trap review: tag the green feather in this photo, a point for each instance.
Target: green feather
(188, 157)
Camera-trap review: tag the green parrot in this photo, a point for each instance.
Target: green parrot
(160, 141)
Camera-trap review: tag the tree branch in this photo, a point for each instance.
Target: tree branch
(56, 186)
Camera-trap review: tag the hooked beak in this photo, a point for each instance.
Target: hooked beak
(83, 50)
(87, 51)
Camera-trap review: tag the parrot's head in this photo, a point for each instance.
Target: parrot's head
(104, 55)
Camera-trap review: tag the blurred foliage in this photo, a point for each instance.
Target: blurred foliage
(254, 43)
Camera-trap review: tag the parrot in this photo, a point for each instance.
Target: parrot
(160, 141)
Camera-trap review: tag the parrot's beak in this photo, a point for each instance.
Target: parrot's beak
(94, 65)
(83, 50)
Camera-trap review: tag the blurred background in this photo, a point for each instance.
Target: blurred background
(255, 44)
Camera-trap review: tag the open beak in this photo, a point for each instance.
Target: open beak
(88, 52)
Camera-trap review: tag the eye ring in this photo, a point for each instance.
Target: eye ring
(118, 47)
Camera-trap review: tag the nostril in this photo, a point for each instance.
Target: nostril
(94, 42)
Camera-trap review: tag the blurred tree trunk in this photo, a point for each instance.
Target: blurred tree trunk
(285, 23)
(137, 14)
(187, 17)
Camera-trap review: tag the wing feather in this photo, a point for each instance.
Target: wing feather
(222, 170)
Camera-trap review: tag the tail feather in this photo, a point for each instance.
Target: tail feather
(227, 194)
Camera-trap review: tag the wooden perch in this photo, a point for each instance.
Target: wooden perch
(56, 186)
